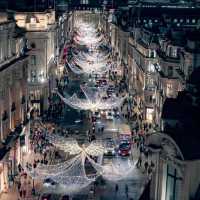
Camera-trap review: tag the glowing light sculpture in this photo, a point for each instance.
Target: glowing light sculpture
(94, 102)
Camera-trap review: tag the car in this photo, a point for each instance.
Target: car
(104, 98)
(109, 115)
(49, 183)
(97, 115)
(124, 149)
(104, 82)
(125, 137)
(65, 197)
(99, 124)
(110, 147)
(111, 88)
(116, 114)
(45, 197)
(103, 113)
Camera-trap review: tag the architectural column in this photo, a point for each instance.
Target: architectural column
(10, 105)
(1, 123)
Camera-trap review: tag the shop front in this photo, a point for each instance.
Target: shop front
(3, 177)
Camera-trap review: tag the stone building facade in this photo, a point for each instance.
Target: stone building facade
(158, 49)
(41, 34)
(13, 97)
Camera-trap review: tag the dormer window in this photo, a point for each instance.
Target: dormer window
(174, 52)
(4, 116)
(85, 2)
(181, 20)
(175, 20)
(33, 20)
(188, 21)
(193, 21)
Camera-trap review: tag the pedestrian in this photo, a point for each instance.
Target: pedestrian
(146, 166)
(149, 171)
(19, 186)
(126, 190)
(116, 188)
(139, 162)
(20, 193)
(19, 168)
(24, 193)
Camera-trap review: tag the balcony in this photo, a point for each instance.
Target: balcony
(15, 59)
(166, 58)
(11, 139)
(180, 74)
(150, 88)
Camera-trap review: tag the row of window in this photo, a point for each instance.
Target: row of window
(36, 76)
(85, 2)
(150, 21)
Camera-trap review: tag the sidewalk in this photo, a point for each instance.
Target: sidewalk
(12, 194)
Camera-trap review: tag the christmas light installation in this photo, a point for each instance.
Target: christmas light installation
(89, 63)
(69, 175)
(94, 100)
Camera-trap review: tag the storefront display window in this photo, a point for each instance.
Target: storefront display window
(149, 114)
(173, 182)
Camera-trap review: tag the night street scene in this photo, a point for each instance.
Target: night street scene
(99, 99)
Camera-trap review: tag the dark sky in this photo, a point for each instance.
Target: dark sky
(26, 4)
(40, 5)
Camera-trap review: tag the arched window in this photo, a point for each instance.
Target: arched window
(33, 46)
(13, 107)
(4, 115)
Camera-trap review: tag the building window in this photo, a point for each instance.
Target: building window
(33, 76)
(149, 114)
(33, 20)
(13, 107)
(150, 67)
(85, 2)
(172, 183)
(33, 46)
(152, 53)
(170, 71)
(174, 52)
(33, 60)
(169, 90)
(4, 116)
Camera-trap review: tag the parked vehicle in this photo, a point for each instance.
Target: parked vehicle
(124, 149)
(110, 147)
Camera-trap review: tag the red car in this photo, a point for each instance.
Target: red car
(45, 197)
(124, 149)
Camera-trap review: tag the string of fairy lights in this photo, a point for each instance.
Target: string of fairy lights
(70, 174)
